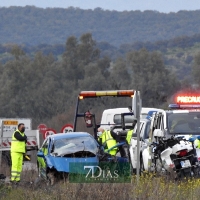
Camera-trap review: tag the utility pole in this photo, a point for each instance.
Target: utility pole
(137, 105)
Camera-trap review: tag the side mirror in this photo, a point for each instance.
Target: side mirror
(130, 108)
(158, 133)
(40, 154)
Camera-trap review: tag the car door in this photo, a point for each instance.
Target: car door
(42, 160)
(145, 131)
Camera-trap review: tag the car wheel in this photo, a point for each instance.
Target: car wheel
(132, 170)
(196, 171)
(51, 178)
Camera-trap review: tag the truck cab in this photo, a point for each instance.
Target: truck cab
(111, 117)
(177, 122)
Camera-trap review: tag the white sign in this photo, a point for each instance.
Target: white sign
(10, 124)
(136, 104)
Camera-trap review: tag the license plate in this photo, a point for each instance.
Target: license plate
(185, 163)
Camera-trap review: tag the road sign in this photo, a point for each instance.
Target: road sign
(49, 131)
(10, 122)
(42, 128)
(67, 128)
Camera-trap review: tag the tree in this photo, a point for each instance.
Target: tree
(87, 49)
(149, 75)
(79, 54)
(17, 52)
(196, 68)
(120, 78)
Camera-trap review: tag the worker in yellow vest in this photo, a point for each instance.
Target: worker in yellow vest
(41, 161)
(105, 138)
(197, 142)
(130, 132)
(18, 149)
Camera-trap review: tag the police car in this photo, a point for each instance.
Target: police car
(182, 120)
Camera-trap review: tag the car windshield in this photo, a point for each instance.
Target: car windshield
(127, 119)
(72, 145)
(184, 123)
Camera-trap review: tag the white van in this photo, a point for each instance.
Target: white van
(112, 117)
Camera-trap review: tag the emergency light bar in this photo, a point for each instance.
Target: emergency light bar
(186, 102)
(184, 106)
(188, 99)
(122, 93)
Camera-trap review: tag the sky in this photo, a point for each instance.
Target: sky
(165, 6)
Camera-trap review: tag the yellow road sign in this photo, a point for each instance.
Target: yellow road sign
(10, 122)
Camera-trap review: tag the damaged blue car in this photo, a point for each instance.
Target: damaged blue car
(59, 150)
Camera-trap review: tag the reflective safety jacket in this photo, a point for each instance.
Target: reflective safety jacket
(16, 145)
(108, 141)
(41, 161)
(129, 136)
(197, 143)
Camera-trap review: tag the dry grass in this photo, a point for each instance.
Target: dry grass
(149, 187)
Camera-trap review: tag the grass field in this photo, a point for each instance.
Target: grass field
(149, 187)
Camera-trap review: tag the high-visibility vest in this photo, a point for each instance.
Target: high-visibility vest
(41, 161)
(129, 136)
(16, 145)
(108, 141)
(197, 143)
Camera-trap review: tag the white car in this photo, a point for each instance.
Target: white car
(144, 138)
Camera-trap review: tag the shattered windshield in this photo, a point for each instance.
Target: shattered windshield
(72, 145)
(184, 123)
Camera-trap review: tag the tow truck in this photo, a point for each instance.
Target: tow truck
(90, 118)
(182, 120)
(124, 123)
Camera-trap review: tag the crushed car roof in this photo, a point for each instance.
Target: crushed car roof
(68, 135)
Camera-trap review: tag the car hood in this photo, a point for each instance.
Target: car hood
(65, 164)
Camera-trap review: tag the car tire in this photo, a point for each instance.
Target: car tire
(51, 179)
(196, 171)
(132, 170)
(37, 182)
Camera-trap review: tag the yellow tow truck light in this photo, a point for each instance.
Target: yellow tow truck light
(106, 93)
(90, 94)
